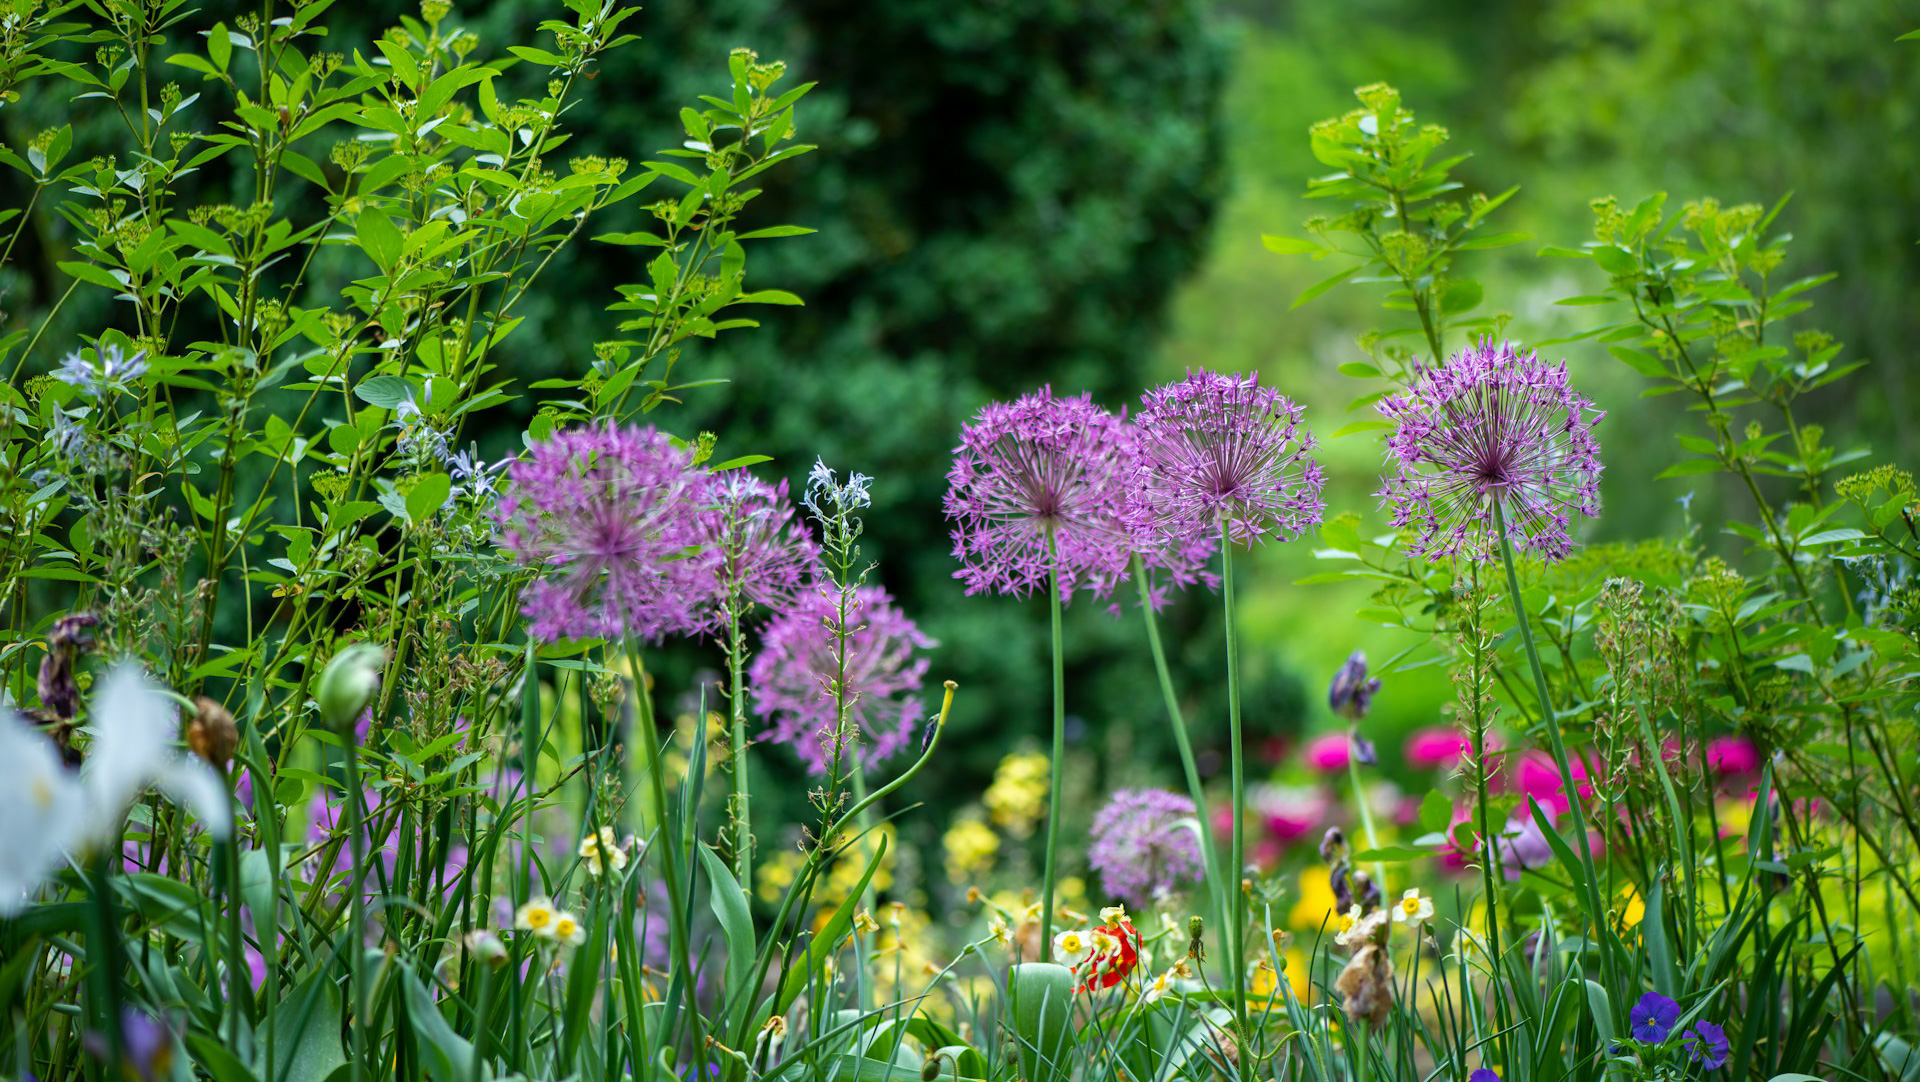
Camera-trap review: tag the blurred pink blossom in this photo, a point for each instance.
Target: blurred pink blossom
(1327, 752)
(1729, 755)
(1436, 746)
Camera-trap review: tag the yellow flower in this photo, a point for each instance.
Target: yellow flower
(1316, 900)
(1264, 980)
(1114, 914)
(971, 846)
(998, 927)
(566, 928)
(863, 922)
(1018, 794)
(1158, 987)
(1632, 909)
(535, 916)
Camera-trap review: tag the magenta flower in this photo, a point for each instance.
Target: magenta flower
(765, 554)
(1033, 473)
(1141, 848)
(1438, 746)
(1222, 450)
(1491, 426)
(1328, 752)
(1733, 755)
(801, 660)
(611, 517)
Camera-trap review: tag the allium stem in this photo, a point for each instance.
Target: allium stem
(1366, 817)
(737, 703)
(1596, 910)
(1059, 753)
(1236, 934)
(1210, 858)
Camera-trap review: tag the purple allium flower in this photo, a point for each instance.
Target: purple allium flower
(1491, 425)
(1037, 474)
(766, 555)
(1169, 563)
(1653, 1017)
(612, 516)
(1484, 1074)
(794, 673)
(1141, 848)
(1220, 449)
(1706, 1044)
(1351, 692)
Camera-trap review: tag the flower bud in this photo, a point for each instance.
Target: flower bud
(1351, 693)
(348, 683)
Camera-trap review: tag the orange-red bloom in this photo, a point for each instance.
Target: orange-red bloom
(1116, 955)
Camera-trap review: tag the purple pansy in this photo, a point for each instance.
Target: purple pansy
(1652, 1019)
(1706, 1044)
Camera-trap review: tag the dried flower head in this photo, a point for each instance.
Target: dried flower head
(1366, 985)
(611, 517)
(1492, 426)
(1351, 692)
(1038, 483)
(873, 654)
(1141, 848)
(1219, 451)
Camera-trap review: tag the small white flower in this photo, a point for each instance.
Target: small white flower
(1356, 929)
(567, 929)
(536, 916)
(40, 806)
(1413, 907)
(1072, 947)
(1114, 914)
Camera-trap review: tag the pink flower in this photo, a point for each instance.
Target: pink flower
(1437, 746)
(1732, 755)
(1327, 752)
(1537, 778)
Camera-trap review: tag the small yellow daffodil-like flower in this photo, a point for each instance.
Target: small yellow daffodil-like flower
(1357, 929)
(535, 916)
(1158, 987)
(1104, 943)
(1032, 914)
(1071, 947)
(1413, 908)
(1001, 934)
(1113, 914)
(600, 852)
(567, 929)
(1344, 923)
(863, 921)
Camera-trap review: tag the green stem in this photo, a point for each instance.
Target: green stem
(356, 922)
(1209, 854)
(103, 955)
(1596, 910)
(1059, 753)
(742, 817)
(1237, 931)
(1366, 816)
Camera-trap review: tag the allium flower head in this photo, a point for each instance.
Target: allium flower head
(765, 554)
(799, 661)
(611, 515)
(1220, 449)
(1491, 426)
(1036, 480)
(1141, 849)
(1653, 1017)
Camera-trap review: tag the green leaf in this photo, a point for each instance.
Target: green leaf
(1291, 245)
(1390, 854)
(743, 460)
(428, 495)
(306, 1026)
(729, 904)
(1461, 296)
(1041, 996)
(219, 46)
(386, 392)
(1828, 537)
(380, 239)
(447, 1055)
(1322, 286)
(1436, 811)
(1615, 260)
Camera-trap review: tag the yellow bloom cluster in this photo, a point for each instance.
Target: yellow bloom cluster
(971, 846)
(1018, 795)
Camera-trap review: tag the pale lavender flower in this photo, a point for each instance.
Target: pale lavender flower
(611, 517)
(1223, 451)
(800, 661)
(1038, 483)
(1141, 848)
(766, 555)
(1491, 426)
(112, 369)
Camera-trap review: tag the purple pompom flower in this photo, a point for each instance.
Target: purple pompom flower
(799, 662)
(1653, 1017)
(1492, 426)
(1141, 849)
(1222, 450)
(1036, 482)
(1706, 1044)
(611, 516)
(765, 554)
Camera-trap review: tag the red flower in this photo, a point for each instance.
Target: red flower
(1118, 956)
